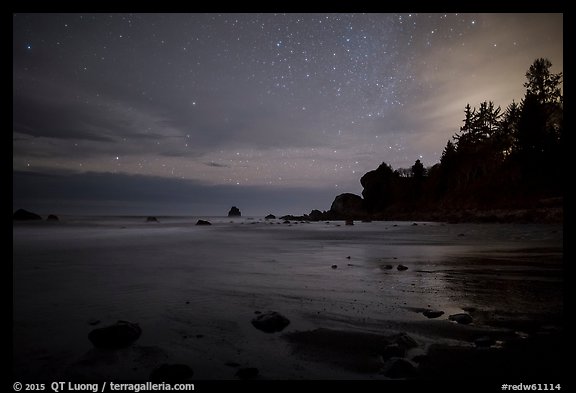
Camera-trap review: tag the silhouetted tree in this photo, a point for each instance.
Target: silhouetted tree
(418, 170)
(542, 84)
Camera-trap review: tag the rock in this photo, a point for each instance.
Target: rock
(401, 368)
(119, 335)
(388, 267)
(25, 215)
(151, 219)
(286, 222)
(316, 215)
(270, 217)
(334, 266)
(393, 351)
(414, 224)
(247, 373)
(484, 342)
(270, 322)
(93, 321)
(171, 373)
(405, 341)
(461, 318)
(52, 217)
(348, 206)
(234, 212)
(349, 222)
(469, 309)
(401, 267)
(203, 222)
(433, 313)
(348, 257)
(461, 234)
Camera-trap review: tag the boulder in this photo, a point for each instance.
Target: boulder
(52, 217)
(401, 267)
(171, 373)
(119, 335)
(270, 217)
(348, 205)
(25, 215)
(316, 215)
(270, 322)
(151, 219)
(433, 313)
(203, 222)
(461, 318)
(334, 266)
(234, 212)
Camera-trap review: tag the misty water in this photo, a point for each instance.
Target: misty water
(195, 289)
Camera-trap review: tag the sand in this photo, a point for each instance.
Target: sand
(195, 289)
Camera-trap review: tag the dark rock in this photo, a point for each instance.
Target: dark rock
(316, 215)
(93, 322)
(234, 212)
(348, 257)
(393, 351)
(286, 222)
(405, 341)
(270, 217)
(401, 368)
(433, 313)
(348, 206)
(334, 266)
(119, 335)
(349, 222)
(25, 215)
(52, 217)
(388, 267)
(414, 224)
(469, 309)
(401, 267)
(203, 222)
(171, 373)
(484, 342)
(151, 219)
(199, 336)
(247, 373)
(270, 322)
(461, 234)
(461, 318)
(257, 312)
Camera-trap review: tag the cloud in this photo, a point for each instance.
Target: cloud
(90, 192)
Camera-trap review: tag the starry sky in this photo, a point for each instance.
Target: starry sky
(189, 114)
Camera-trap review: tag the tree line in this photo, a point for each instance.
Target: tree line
(498, 158)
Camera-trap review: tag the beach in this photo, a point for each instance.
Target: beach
(354, 315)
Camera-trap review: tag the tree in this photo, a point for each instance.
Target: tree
(542, 84)
(418, 170)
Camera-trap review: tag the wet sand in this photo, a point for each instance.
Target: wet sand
(194, 291)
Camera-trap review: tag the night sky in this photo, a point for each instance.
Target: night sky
(189, 114)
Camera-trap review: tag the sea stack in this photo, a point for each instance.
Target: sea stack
(25, 215)
(234, 212)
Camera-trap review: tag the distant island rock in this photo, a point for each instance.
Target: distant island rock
(52, 217)
(151, 219)
(25, 215)
(234, 212)
(270, 217)
(203, 222)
